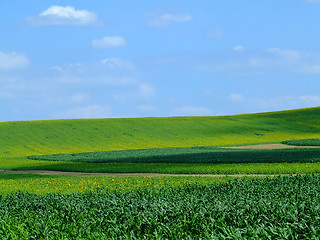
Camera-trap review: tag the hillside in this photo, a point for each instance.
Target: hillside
(20, 139)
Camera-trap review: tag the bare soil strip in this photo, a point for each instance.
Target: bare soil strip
(90, 174)
(270, 146)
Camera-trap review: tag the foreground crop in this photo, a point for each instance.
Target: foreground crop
(280, 207)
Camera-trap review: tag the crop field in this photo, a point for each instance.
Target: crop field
(191, 155)
(172, 207)
(303, 142)
(19, 140)
(41, 184)
(266, 208)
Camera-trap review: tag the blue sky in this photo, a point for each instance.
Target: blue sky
(151, 58)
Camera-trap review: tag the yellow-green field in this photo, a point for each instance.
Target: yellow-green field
(21, 139)
(40, 184)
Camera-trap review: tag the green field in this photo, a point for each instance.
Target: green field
(265, 208)
(44, 184)
(191, 155)
(303, 142)
(18, 140)
(180, 207)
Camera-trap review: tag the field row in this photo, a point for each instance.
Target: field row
(211, 155)
(267, 208)
(42, 184)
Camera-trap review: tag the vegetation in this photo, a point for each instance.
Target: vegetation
(21, 139)
(65, 207)
(44, 184)
(191, 155)
(179, 168)
(268, 208)
(303, 142)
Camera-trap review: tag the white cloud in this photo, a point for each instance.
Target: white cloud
(59, 15)
(194, 111)
(109, 42)
(118, 63)
(238, 48)
(165, 19)
(13, 60)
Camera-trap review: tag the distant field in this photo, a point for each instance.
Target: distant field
(191, 155)
(303, 142)
(202, 160)
(18, 140)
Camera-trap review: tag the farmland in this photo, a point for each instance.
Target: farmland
(18, 140)
(303, 142)
(267, 208)
(41, 185)
(191, 155)
(169, 207)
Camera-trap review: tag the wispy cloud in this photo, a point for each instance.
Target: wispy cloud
(258, 103)
(257, 62)
(159, 20)
(59, 15)
(146, 108)
(146, 91)
(239, 48)
(87, 111)
(13, 60)
(109, 42)
(118, 63)
(141, 92)
(81, 90)
(312, 100)
(236, 97)
(290, 55)
(216, 33)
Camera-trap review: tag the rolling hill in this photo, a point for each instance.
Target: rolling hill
(23, 138)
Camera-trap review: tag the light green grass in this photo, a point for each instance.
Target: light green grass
(43, 184)
(21, 139)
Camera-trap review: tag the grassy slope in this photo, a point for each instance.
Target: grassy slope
(20, 139)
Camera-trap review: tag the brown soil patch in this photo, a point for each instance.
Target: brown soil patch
(270, 146)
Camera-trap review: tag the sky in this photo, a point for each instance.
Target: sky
(152, 58)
